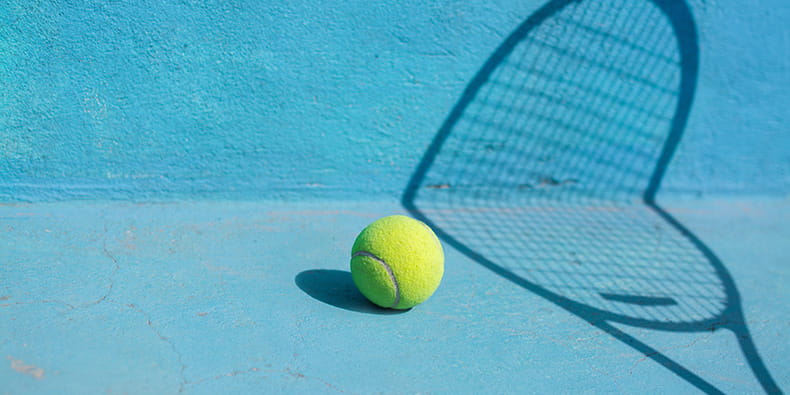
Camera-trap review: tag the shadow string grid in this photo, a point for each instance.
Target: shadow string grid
(547, 168)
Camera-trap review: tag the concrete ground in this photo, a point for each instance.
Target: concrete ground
(242, 297)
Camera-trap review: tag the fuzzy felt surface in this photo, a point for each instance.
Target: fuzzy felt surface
(397, 262)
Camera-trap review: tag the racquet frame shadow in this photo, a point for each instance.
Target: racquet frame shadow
(732, 318)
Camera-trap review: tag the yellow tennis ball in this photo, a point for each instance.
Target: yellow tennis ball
(397, 262)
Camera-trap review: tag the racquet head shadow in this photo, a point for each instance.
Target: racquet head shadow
(546, 171)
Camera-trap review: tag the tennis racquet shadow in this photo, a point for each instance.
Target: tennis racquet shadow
(546, 172)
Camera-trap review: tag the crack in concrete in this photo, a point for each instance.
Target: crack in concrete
(230, 374)
(112, 279)
(615, 379)
(299, 375)
(116, 267)
(70, 306)
(288, 371)
(664, 351)
(182, 367)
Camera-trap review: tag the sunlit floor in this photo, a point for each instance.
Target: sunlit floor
(210, 297)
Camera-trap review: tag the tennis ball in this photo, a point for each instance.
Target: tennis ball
(397, 262)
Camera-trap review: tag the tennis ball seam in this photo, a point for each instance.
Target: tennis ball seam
(389, 272)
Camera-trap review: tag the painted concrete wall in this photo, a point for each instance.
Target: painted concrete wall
(159, 100)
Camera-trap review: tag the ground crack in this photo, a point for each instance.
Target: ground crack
(116, 267)
(182, 367)
(50, 301)
(230, 374)
(646, 356)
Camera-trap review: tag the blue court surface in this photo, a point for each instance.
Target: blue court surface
(257, 297)
(181, 184)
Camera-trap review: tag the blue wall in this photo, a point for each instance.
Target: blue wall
(737, 140)
(308, 99)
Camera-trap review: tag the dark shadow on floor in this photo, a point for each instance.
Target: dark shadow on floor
(547, 168)
(336, 288)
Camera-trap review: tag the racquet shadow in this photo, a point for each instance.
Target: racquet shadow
(546, 172)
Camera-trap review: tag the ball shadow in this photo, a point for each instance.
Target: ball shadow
(336, 288)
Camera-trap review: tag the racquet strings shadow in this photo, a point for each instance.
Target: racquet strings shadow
(546, 171)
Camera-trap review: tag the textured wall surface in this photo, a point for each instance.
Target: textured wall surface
(737, 140)
(159, 100)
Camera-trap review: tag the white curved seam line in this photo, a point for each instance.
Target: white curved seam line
(389, 271)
